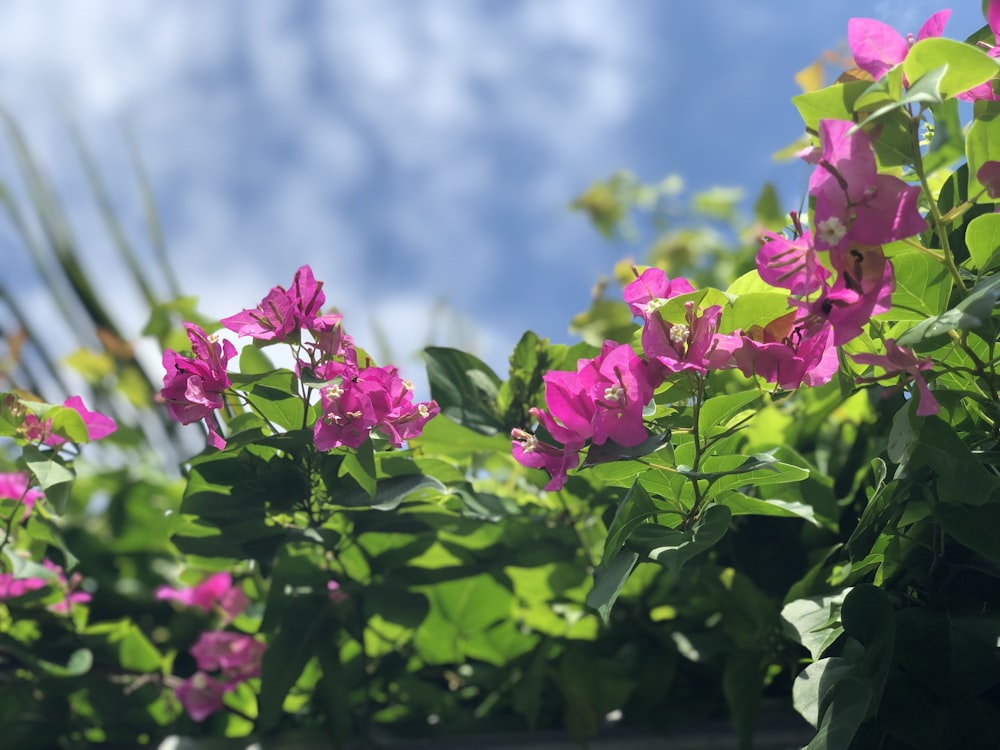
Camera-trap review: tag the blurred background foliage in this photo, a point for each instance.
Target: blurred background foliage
(523, 650)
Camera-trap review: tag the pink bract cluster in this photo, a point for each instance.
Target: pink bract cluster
(215, 591)
(235, 656)
(12, 587)
(355, 399)
(98, 425)
(837, 277)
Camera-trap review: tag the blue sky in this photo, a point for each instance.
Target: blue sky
(419, 155)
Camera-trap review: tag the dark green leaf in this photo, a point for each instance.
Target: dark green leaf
(465, 388)
(973, 312)
(609, 578)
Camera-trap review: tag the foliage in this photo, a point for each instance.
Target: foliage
(783, 483)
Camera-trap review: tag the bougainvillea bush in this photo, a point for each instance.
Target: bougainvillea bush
(783, 492)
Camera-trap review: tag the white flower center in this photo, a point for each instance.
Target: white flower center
(680, 333)
(614, 393)
(653, 305)
(832, 231)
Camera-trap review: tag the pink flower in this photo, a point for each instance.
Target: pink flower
(217, 589)
(862, 290)
(348, 416)
(357, 401)
(272, 320)
(11, 587)
(651, 289)
(618, 384)
(238, 655)
(334, 592)
(529, 451)
(282, 313)
(791, 264)
(689, 346)
(853, 201)
(790, 351)
(98, 425)
(70, 589)
(200, 695)
(989, 175)
(15, 487)
(329, 336)
(877, 47)
(193, 387)
(898, 360)
(307, 296)
(602, 400)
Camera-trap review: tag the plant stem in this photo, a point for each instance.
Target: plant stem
(699, 393)
(940, 226)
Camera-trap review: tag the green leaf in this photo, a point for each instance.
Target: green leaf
(67, 422)
(609, 579)
(961, 479)
(730, 472)
(966, 65)
(392, 491)
(635, 509)
(360, 466)
(922, 287)
(868, 617)
(304, 623)
(886, 90)
(612, 451)
(948, 143)
(465, 388)
(753, 309)
(78, 664)
(716, 412)
(815, 621)
(974, 526)
(925, 92)
(135, 651)
(53, 476)
(744, 505)
(254, 362)
(831, 103)
(982, 238)
(275, 396)
(833, 696)
(460, 612)
(530, 360)
(973, 312)
(672, 548)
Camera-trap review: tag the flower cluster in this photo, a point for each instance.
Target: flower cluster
(17, 487)
(193, 387)
(98, 425)
(604, 399)
(355, 399)
(856, 211)
(235, 656)
(837, 277)
(215, 591)
(12, 586)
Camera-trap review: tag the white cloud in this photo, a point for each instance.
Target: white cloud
(387, 143)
